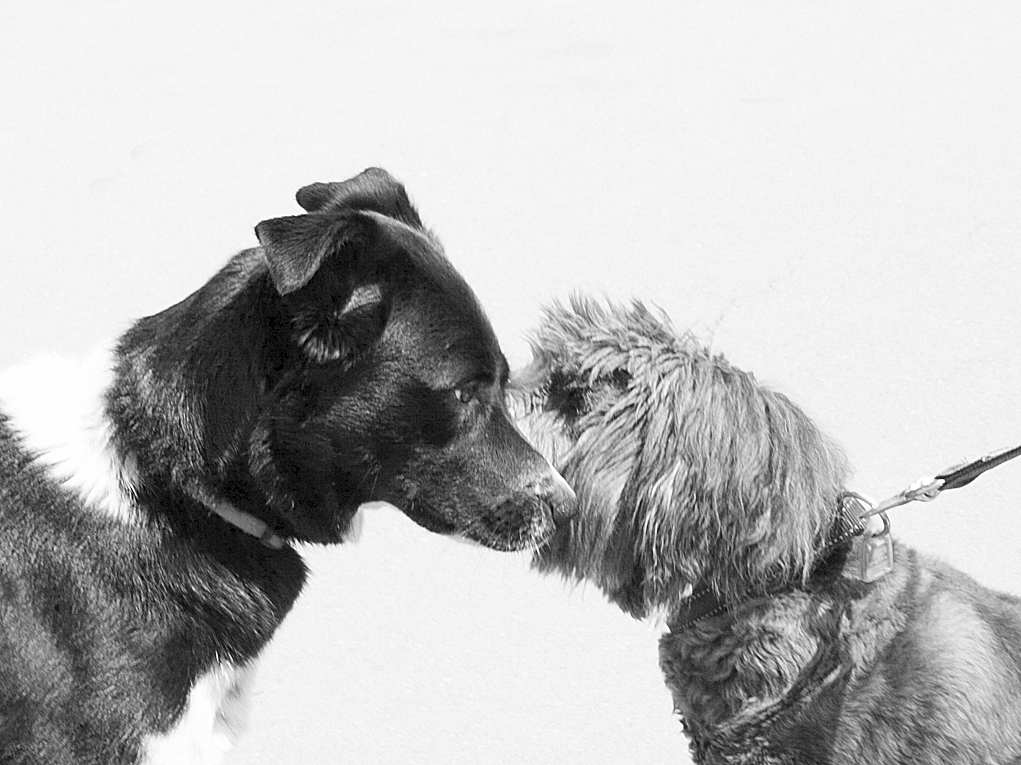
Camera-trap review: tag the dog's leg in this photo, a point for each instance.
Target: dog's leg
(214, 717)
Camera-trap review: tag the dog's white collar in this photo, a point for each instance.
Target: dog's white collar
(248, 523)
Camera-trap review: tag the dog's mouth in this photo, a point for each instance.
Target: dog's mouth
(530, 537)
(428, 518)
(553, 553)
(503, 530)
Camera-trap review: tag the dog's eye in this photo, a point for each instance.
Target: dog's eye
(467, 392)
(621, 378)
(565, 396)
(473, 388)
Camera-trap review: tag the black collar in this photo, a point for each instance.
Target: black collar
(704, 602)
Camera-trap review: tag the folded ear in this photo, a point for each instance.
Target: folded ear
(342, 315)
(373, 189)
(343, 331)
(297, 245)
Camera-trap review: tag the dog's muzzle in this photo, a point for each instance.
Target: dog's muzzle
(558, 495)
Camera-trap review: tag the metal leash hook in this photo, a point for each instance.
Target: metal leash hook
(922, 490)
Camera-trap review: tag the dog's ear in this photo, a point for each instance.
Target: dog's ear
(328, 330)
(337, 313)
(373, 189)
(742, 491)
(297, 245)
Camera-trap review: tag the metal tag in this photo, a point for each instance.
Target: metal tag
(872, 554)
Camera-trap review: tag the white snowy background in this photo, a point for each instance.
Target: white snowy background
(828, 193)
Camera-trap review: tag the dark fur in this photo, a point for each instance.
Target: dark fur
(341, 362)
(690, 473)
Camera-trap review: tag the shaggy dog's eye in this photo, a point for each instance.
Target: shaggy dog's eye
(565, 396)
(621, 378)
(567, 402)
(569, 397)
(463, 395)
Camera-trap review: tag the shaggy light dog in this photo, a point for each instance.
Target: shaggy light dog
(692, 476)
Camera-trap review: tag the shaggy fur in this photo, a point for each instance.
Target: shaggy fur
(691, 474)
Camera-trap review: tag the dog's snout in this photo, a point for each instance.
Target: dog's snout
(559, 495)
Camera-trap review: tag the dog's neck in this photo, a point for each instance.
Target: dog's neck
(748, 670)
(746, 673)
(185, 416)
(705, 603)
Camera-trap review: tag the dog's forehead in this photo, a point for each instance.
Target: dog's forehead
(581, 358)
(435, 274)
(449, 342)
(587, 340)
(441, 325)
(420, 245)
(456, 368)
(441, 365)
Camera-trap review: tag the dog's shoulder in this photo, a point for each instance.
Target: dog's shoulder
(949, 606)
(931, 644)
(62, 631)
(94, 600)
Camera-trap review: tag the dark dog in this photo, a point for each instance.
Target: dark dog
(690, 475)
(149, 499)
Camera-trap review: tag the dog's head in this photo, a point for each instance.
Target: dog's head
(400, 393)
(687, 471)
(343, 361)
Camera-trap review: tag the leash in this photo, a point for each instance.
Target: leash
(871, 556)
(927, 489)
(873, 551)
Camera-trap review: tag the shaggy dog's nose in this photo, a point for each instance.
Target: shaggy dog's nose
(562, 500)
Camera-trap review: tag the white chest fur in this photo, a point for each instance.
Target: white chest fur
(211, 722)
(56, 406)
